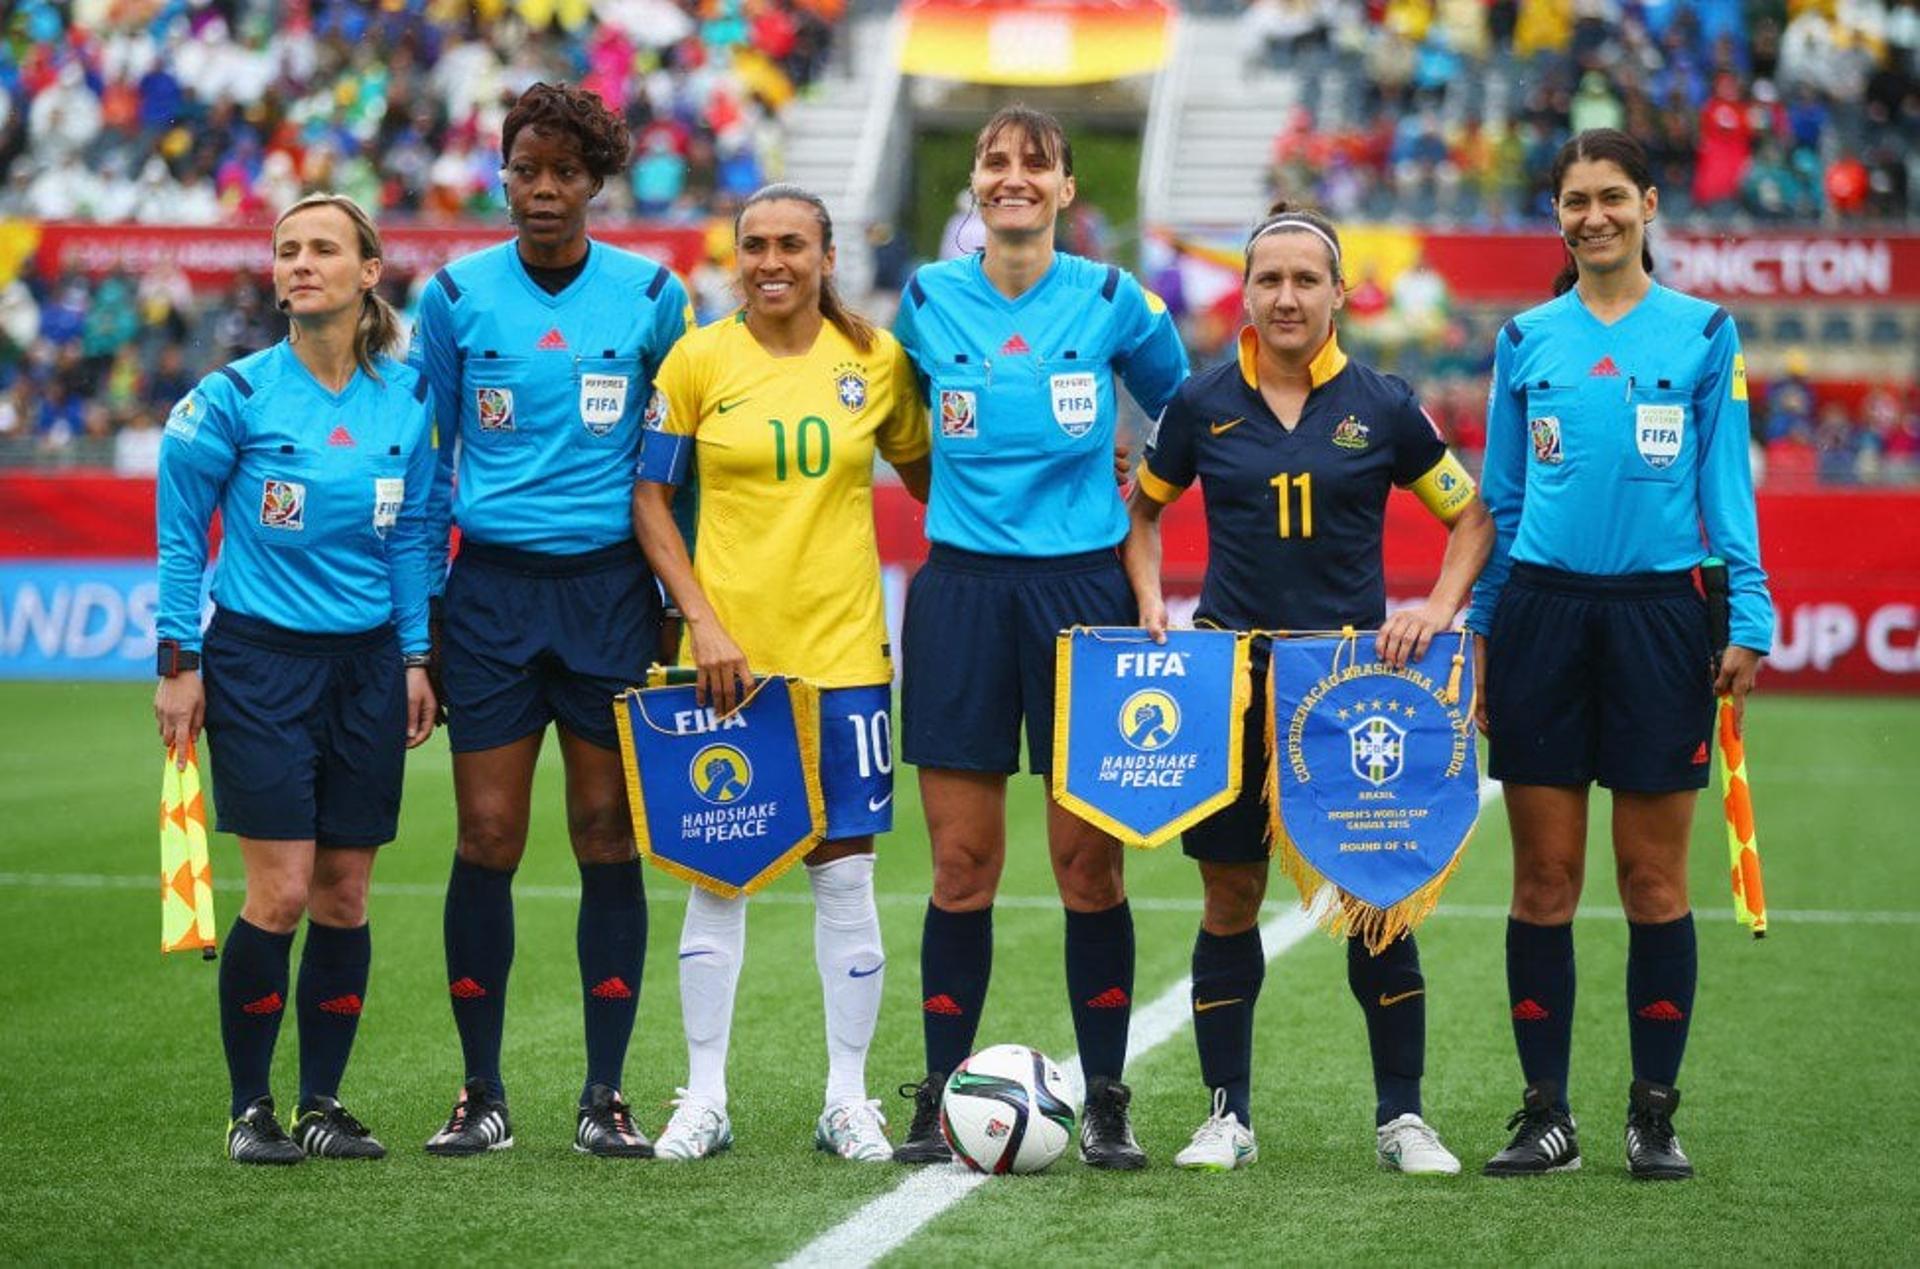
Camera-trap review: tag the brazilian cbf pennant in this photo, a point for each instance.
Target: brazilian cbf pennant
(1147, 736)
(725, 802)
(1373, 783)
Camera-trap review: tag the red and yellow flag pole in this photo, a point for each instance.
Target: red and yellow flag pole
(1743, 841)
(186, 876)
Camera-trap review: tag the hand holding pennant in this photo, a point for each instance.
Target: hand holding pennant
(186, 877)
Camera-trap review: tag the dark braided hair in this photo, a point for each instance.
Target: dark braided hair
(1601, 145)
(606, 146)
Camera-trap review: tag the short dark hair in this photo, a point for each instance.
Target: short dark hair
(1601, 145)
(606, 147)
(1042, 131)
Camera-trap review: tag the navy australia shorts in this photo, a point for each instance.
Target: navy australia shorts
(306, 733)
(1604, 679)
(530, 639)
(979, 651)
(1237, 832)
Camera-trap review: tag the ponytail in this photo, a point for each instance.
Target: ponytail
(377, 333)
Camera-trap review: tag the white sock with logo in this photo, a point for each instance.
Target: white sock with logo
(846, 947)
(713, 942)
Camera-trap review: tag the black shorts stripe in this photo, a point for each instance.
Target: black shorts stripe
(448, 285)
(239, 380)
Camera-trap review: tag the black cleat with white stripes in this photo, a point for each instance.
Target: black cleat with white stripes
(1544, 1139)
(1653, 1152)
(478, 1124)
(324, 1130)
(256, 1137)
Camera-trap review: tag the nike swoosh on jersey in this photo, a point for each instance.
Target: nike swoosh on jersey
(1387, 1001)
(1201, 1006)
(1229, 425)
(855, 972)
(724, 406)
(875, 804)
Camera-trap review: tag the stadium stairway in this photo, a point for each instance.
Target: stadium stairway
(1211, 128)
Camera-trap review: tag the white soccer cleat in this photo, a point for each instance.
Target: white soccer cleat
(1407, 1144)
(854, 1130)
(1220, 1144)
(698, 1129)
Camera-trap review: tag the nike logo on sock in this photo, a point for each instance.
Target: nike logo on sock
(1201, 1006)
(1387, 1002)
(855, 972)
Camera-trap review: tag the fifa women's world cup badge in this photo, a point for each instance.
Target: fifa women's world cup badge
(727, 802)
(1147, 736)
(1376, 783)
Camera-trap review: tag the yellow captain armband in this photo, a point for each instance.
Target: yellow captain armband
(1159, 490)
(1446, 489)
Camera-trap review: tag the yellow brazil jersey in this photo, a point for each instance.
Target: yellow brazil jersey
(784, 449)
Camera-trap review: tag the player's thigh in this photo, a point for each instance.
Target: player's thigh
(1231, 894)
(960, 692)
(493, 799)
(279, 878)
(1089, 866)
(856, 760)
(342, 879)
(967, 829)
(1656, 677)
(1541, 690)
(1089, 590)
(1548, 824)
(1651, 832)
(262, 745)
(493, 642)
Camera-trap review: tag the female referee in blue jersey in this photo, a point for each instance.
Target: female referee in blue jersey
(782, 408)
(311, 681)
(1616, 434)
(1296, 447)
(1019, 348)
(541, 352)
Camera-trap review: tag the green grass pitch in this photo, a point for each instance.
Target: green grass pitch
(112, 1090)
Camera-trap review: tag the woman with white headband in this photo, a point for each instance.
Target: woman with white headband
(1296, 447)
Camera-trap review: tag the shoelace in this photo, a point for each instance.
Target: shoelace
(1107, 1114)
(926, 1107)
(862, 1119)
(690, 1113)
(338, 1119)
(1425, 1132)
(1654, 1128)
(266, 1127)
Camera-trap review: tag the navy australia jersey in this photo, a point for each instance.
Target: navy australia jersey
(1295, 518)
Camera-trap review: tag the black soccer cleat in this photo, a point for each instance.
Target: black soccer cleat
(478, 1124)
(1106, 1131)
(324, 1130)
(606, 1127)
(924, 1142)
(1545, 1139)
(1653, 1152)
(256, 1137)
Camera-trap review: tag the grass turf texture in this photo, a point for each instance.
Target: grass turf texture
(114, 1089)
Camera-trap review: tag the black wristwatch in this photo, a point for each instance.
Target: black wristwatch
(171, 658)
(416, 660)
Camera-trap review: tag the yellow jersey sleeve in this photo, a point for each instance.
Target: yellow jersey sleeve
(904, 434)
(675, 408)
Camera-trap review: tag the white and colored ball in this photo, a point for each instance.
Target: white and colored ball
(1007, 1109)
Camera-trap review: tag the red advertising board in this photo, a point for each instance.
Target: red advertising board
(212, 255)
(1844, 565)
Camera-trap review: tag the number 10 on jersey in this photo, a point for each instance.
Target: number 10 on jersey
(812, 447)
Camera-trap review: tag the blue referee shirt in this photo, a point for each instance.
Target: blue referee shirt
(539, 397)
(1623, 449)
(322, 498)
(1021, 394)
(1295, 519)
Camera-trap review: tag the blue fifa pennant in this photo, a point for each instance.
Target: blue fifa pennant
(1147, 736)
(1373, 781)
(725, 802)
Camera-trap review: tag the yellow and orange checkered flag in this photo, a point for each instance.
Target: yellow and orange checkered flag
(1743, 840)
(186, 878)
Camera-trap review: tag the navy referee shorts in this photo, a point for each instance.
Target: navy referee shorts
(978, 651)
(1600, 678)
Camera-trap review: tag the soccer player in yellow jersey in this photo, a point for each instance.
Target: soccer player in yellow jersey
(779, 410)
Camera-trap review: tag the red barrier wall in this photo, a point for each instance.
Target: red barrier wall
(1845, 566)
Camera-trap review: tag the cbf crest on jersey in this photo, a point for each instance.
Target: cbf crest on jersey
(727, 803)
(1373, 783)
(851, 387)
(1147, 736)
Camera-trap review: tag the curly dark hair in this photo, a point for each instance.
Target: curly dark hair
(606, 147)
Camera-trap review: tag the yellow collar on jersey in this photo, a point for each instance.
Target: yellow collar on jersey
(1326, 363)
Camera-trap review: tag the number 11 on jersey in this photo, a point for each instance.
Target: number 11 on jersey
(1304, 483)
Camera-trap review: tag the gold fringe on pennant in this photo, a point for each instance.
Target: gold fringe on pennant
(1376, 927)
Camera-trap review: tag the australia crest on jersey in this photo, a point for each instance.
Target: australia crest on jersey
(851, 386)
(1545, 431)
(1350, 433)
(959, 416)
(494, 408)
(283, 505)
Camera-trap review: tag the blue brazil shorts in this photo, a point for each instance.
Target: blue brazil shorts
(979, 641)
(856, 760)
(306, 733)
(1604, 679)
(530, 639)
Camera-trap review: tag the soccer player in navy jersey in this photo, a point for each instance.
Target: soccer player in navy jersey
(1019, 349)
(1296, 447)
(1616, 462)
(541, 353)
(311, 681)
